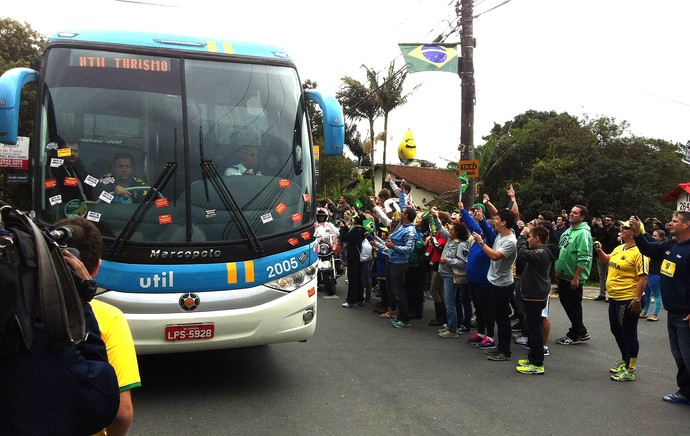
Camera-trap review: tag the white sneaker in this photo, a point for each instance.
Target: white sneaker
(522, 340)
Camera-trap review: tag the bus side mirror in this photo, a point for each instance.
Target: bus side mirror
(11, 84)
(333, 122)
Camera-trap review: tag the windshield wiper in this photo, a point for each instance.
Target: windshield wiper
(135, 219)
(209, 171)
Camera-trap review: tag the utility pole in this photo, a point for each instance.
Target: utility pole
(464, 10)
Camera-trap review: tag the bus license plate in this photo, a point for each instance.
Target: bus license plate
(189, 332)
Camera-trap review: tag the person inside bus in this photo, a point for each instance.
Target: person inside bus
(71, 175)
(247, 164)
(113, 326)
(120, 179)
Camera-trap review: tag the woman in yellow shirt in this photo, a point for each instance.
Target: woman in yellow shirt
(625, 285)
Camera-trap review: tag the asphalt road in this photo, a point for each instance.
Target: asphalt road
(360, 376)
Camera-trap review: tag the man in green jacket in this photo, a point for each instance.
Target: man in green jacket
(572, 269)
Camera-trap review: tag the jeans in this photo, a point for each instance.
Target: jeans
(396, 281)
(500, 300)
(679, 338)
(624, 329)
(366, 279)
(481, 297)
(450, 291)
(463, 300)
(603, 268)
(571, 300)
(653, 289)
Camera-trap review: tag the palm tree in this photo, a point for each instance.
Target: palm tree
(360, 103)
(389, 96)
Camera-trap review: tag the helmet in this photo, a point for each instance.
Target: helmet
(321, 212)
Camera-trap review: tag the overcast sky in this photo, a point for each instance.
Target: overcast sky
(625, 59)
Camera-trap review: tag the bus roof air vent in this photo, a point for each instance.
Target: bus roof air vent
(180, 43)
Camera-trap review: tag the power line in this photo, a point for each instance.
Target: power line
(489, 10)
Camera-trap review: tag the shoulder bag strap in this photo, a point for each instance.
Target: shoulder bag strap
(61, 310)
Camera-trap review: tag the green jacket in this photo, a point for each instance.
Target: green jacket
(576, 251)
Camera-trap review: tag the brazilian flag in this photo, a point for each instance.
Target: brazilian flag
(464, 182)
(369, 226)
(358, 204)
(430, 57)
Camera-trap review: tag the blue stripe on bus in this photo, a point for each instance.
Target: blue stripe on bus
(147, 278)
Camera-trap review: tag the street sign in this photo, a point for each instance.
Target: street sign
(471, 167)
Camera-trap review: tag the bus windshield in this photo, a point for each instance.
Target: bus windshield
(113, 122)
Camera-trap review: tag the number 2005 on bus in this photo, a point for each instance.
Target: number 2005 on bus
(189, 332)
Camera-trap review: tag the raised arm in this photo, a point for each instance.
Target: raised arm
(490, 208)
(513, 202)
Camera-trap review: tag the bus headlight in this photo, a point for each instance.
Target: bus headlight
(293, 281)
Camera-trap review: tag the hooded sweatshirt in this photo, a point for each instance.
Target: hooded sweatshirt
(576, 251)
(536, 276)
(478, 262)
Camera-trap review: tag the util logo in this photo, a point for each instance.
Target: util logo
(164, 280)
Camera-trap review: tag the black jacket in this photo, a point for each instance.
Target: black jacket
(353, 237)
(536, 277)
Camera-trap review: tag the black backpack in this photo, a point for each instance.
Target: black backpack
(35, 285)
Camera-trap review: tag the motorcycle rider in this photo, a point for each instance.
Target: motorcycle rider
(323, 227)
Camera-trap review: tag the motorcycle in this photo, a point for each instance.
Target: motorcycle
(330, 265)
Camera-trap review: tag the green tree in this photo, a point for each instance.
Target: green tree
(20, 46)
(556, 160)
(389, 96)
(353, 139)
(315, 116)
(359, 103)
(362, 191)
(334, 171)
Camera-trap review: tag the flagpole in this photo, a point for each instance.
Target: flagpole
(464, 9)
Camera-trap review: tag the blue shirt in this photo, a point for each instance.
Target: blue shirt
(404, 237)
(478, 262)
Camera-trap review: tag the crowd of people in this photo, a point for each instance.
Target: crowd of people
(491, 273)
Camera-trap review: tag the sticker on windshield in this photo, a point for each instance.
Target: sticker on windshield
(165, 219)
(307, 198)
(70, 181)
(293, 241)
(281, 208)
(163, 202)
(52, 146)
(75, 208)
(93, 216)
(296, 217)
(284, 183)
(91, 180)
(211, 213)
(56, 199)
(266, 218)
(64, 152)
(50, 183)
(56, 162)
(305, 235)
(106, 196)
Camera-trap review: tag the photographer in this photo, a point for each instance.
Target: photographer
(606, 233)
(114, 329)
(48, 388)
